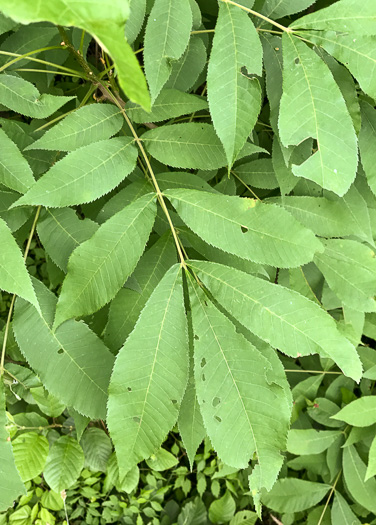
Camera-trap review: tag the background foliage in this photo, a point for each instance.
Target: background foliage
(187, 222)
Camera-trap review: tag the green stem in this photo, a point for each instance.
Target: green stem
(313, 372)
(40, 61)
(328, 499)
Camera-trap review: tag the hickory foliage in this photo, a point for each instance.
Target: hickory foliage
(201, 178)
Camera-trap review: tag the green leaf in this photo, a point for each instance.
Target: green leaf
(162, 460)
(279, 8)
(357, 53)
(106, 25)
(189, 145)
(326, 218)
(312, 106)
(84, 174)
(166, 38)
(186, 70)
(151, 382)
(359, 413)
(127, 304)
(11, 486)
(294, 495)
(283, 318)
(354, 471)
(259, 232)
(15, 172)
(356, 207)
(350, 270)
(61, 231)
(30, 452)
(98, 268)
(97, 448)
(343, 16)
(371, 467)
(233, 392)
(14, 218)
(366, 137)
(80, 128)
(222, 509)
(133, 25)
(194, 513)
(341, 513)
(60, 359)
(258, 173)
(14, 277)
(64, 464)
(234, 98)
(310, 441)
(23, 97)
(170, 103)
(48, 403)
(6, 24)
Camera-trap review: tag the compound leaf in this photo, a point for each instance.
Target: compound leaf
(283, 318)
(354, 471)
(88, 124)
(73, 355)
(252, 230)
(310, 441)
(84, 174)
(359, 413)
(146, 388)
(294, 495)
(166, 38)
(99, 267)
(312, 106)
(234, 98)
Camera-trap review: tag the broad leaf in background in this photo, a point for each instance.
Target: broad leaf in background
(234, 99)
(106, 25)
(23, 97)
(294, 495)
(14, 277)
(30, 452)
(11, 486)
(343, 16)
(312, 106)
(97, 448)
(64, 463)
(309, 441)
(341, 512)
(80, 128)
(246, 228)
(72, 355)
(281, 317)
(367, 136)
(15, 172)
(84, 174)
(233, 390)
(99, 267)
(153, 381)
(278, 8)
(166, 38)
(190, 145)
(354, 471)
(350, 270)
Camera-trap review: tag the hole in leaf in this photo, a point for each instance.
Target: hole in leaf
(297, 61)
(174, 401)
(218, 419)
(203, 362)
(61, 351)
(244, 229)
(129, 389)
(196, 337)
(136, 419)
(216, 401)
(203, 377)
(205, 303)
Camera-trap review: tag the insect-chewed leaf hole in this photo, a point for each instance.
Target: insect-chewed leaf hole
(136, 419)
(244, 229)
(196, 337)
(60, 351)
(218, 419)
(129, 389)
(174, 401)
(203, 362)
(216, 401)
(203, 377)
